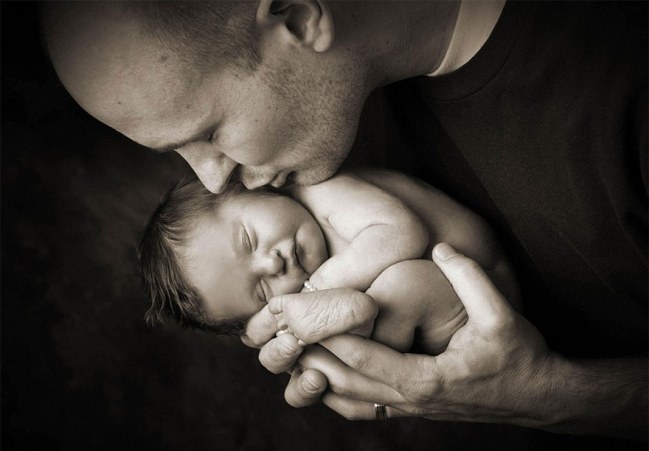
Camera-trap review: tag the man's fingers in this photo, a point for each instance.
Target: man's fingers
(305, 387)
(314, 316)
(260, 328)
(481, 298)
(280, 354)
(386, 368)
(358, 410)
(344, 380)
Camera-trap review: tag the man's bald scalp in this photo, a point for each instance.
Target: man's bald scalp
(203, 35)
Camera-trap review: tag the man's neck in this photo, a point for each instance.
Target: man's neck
(475, 22)
(392, 41)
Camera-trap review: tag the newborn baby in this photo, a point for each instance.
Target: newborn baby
(214, 260)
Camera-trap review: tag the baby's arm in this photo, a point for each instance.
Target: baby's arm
(377, 228)
(450, 222)
(417, 306)
(414, 301)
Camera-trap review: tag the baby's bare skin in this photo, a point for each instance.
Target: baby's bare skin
(416, 305)
(410, 301)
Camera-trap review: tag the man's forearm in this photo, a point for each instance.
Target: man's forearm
(598, 397)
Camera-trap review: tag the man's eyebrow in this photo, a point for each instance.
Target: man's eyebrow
(200, 136)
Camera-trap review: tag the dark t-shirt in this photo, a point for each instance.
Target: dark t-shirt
(544, 133)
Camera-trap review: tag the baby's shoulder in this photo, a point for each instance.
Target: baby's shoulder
(344, 192)
(343, 183)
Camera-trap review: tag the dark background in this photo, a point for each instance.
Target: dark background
(80, 370)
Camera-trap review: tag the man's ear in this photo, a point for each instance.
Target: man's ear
(304, 22)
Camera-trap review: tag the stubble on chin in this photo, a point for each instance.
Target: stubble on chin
(315, 175)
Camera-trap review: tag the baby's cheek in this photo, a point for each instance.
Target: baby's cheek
(311, 247)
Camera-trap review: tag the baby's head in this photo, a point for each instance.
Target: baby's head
(213, 260)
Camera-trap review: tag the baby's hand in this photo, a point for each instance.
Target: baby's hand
(317, 315)
(282, 327)
(308, 287)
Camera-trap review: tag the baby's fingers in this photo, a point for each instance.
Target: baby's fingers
(317, 315)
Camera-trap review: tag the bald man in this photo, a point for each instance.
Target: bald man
(532, 114)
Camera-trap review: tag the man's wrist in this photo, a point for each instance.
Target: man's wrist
(595, 397)
(557, 411)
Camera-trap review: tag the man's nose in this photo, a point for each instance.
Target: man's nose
(268, 263)
(212, 167)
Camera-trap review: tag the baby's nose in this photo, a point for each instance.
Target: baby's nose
(271, 264)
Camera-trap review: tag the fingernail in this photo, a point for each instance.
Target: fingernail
(309, 385)
(301, 343)
(444, 252)
(287, 346)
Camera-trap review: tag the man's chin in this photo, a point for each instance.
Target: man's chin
(311, 177)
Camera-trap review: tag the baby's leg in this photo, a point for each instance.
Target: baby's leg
(416, 305)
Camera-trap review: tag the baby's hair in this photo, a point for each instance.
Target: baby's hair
(168, 290)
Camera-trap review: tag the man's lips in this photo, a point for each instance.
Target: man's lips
(279, 180)
(283, 179)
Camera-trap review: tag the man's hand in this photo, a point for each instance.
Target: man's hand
(490, 371)
(314, 316)
(497, 368)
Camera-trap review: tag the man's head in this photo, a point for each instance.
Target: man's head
(253, 89)
(213, 260)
